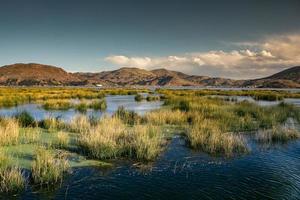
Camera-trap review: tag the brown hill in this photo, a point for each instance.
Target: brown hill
(289, 78)
(35, 74)
(38, 74)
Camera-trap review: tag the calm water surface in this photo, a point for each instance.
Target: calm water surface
(265, 173)
(113, 102)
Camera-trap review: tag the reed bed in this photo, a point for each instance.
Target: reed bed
(10, 97)
(277, 134)
(164, 116)
(207, 137)
(9, 132)
(148, 140)
(11, 178)
(48, 168)
(102, 141)
(30, 135)
(61, 140)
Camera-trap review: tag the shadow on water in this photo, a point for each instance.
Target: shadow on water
(180, 173)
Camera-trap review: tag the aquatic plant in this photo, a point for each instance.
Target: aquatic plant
(277, 134)
(82, 107)
(153, 98)
(57, 104)
(207, 137)
(51, 124)
(48, 168)
(128, 117)
(11, 178)
(61, 140)
(79, 124)
(98, 105)
(25, 119)
(138, 97)
(147, 143)
(9, 131)
(30, 135)
(165, 116)
(102, 141)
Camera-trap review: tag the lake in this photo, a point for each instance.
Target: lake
(180, 173)
(113, 102)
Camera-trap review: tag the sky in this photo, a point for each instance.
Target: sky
(238, 39)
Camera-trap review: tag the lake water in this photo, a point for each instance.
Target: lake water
(267, 172)
(293, 101)
(180, 173)
(113, 102)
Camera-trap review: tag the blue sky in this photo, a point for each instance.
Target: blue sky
(103, 35)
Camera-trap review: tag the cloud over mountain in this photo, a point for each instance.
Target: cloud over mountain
(249, 60)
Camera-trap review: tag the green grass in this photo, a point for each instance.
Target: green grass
(48, 168)
(207, 137)
(138, 98)
(11, 178)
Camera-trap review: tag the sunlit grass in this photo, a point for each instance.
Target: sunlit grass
(48, 168)
(207, 137)
(277, 134)
(11, 178)
(9, 131)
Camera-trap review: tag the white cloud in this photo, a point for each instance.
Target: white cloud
(257, 60)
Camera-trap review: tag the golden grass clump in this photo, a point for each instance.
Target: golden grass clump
(277, 134)
(48, 168)
(148, 140)
(11, 178)
(162, 117)
(101, 141)
(80, 124)
(207, 136)
(9, 132)
(30, 135)
(62, 140)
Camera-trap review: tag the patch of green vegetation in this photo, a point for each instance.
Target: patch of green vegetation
(138, 98)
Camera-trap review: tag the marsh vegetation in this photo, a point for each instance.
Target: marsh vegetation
(211, 125)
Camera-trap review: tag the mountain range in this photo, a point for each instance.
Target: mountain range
(33, 74)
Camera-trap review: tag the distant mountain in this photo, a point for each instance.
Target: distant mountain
(45, 75)
(289, 78)
(158, 77)
(36, 74)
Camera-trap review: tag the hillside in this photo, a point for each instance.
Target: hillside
(37, 74)
(289, 78)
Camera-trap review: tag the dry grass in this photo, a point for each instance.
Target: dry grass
(9, 132)
(30, 135)
(101, 141)
(80, 124)
(277, 134)
(207, 136)
(11, 178)
(148, 142)
(48, 168)
(62, 140)
(163, 117)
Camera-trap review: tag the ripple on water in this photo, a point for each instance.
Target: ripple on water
(180, 173)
